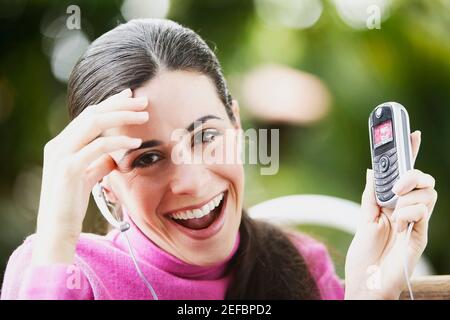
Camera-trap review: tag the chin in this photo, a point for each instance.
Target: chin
(215, 243)
(212, 251)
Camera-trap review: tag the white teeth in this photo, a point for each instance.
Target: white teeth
(201, 212)
(205, 209)
(197, 213)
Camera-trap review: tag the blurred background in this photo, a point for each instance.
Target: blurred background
(312, 68)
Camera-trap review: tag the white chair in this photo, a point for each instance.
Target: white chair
(319, 210)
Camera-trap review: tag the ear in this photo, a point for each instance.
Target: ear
(106, 184)
(235, 109)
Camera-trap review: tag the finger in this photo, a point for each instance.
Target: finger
(413, 179)
(99, 169)
(93, 127)
(124, 93)
(101, 146)
(416, 138)
(122, 103)
(369, 205)
(127, 93)
(118, 102)
(426, 196)
(417, 213)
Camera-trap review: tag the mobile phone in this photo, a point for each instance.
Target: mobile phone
(390, 148)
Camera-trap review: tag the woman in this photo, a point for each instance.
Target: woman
(131, 90)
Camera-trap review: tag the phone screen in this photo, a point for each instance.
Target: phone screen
(382, 133)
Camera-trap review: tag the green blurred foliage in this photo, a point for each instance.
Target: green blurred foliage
(407, 60)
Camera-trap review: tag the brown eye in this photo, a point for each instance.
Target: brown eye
(146, 160)
(205, 136)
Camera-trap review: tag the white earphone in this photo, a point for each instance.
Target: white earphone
(100, 200)
(122, 226)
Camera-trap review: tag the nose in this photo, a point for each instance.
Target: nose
(189, 179)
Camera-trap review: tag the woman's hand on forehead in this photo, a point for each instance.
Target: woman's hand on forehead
(74, 161)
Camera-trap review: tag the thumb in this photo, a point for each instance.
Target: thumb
(369, 205)
(416, 138)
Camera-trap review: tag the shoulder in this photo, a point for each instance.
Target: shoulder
(85, 242)
(89, 246)
(22, 279)
(319, 263)
(94, 255)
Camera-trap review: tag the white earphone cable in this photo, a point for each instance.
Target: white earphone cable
(122, 226)
(138, 269)
(405, 259)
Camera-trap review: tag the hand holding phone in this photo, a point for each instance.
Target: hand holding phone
(392, 232)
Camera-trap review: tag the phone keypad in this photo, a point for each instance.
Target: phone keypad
(386, 174)
(383, 175)
(387, 180)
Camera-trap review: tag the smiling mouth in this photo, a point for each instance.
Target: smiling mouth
(203, 217)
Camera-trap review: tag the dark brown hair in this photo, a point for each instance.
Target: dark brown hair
(266, 265)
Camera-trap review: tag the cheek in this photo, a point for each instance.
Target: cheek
(228, 161)
(234, 173)
(233, 176)
(142, 195)
(226, 150)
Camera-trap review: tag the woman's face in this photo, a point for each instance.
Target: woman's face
(190, 209)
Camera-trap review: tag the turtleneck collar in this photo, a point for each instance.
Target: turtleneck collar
(149, 251)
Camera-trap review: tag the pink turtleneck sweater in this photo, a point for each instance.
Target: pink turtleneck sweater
(103, 269)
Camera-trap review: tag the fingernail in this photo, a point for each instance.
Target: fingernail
(396, 188)
(127, 90)
(141, 99)
(143, 115)
(135, 142)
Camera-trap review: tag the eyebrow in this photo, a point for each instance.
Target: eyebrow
(145, 144)
(190, 128)
(200, 121)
